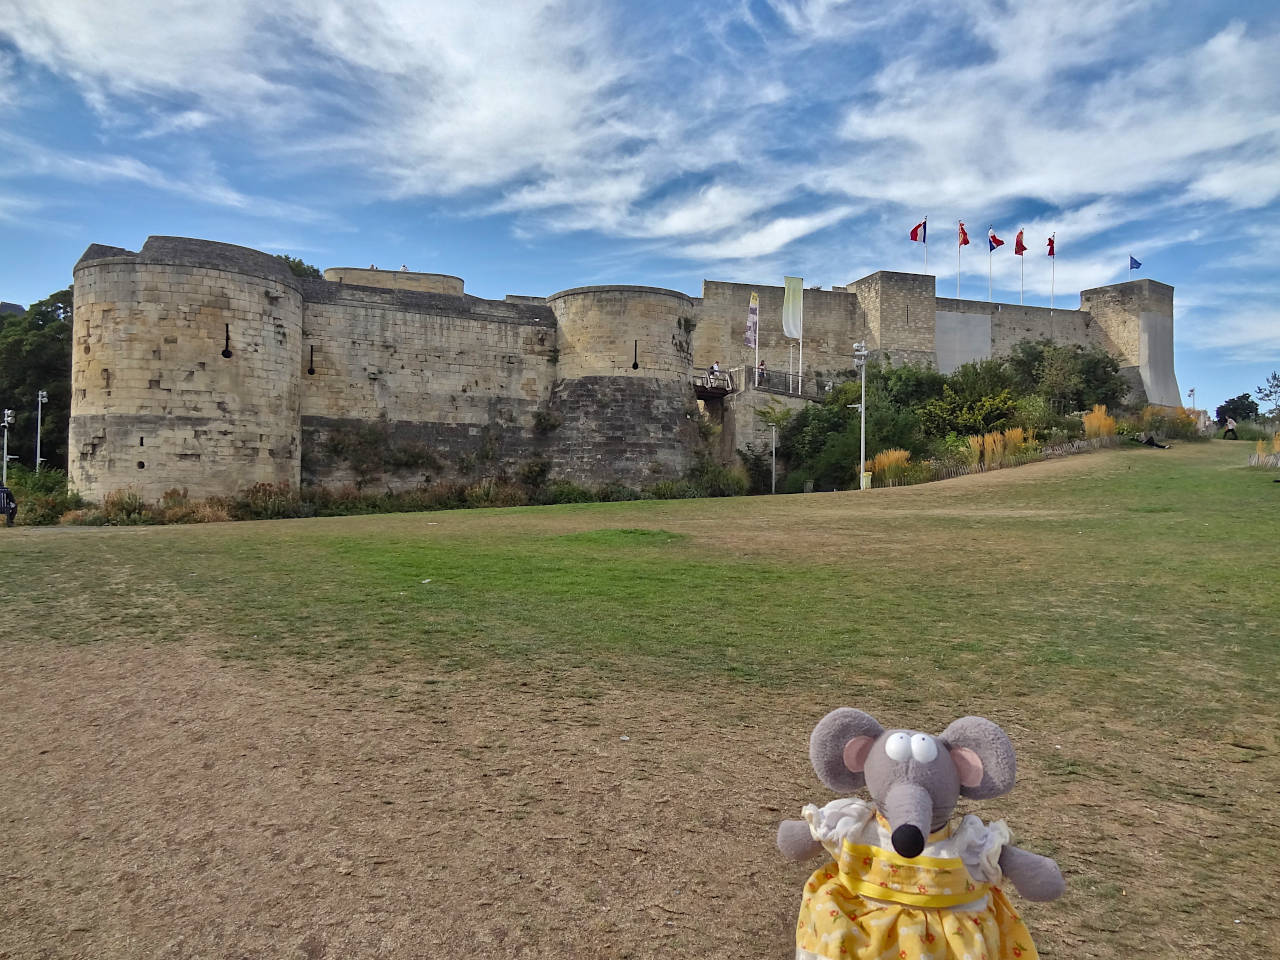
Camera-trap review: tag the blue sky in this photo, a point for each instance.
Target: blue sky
(530, 147)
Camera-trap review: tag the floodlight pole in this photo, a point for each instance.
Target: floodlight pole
(42, 397)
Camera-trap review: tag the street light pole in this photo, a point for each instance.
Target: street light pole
(5, 420)
(42, 398)
(773, 486)
(860, 361)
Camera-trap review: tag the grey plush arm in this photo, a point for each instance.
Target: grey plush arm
(1034, 876)
(796, 842)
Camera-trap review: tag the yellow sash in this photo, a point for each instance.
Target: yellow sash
(920, 882)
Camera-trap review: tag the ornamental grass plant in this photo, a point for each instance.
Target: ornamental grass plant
(1098, 423)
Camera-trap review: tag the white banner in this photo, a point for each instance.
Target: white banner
(793, 308)
(753, 321)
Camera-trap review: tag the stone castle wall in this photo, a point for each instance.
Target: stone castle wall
(625, 403)
(155, 405)
(458, 377)
(394, 378)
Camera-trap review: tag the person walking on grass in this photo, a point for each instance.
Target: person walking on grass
(8, 505)
(1231, 429)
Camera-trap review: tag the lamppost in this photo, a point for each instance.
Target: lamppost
(860, 364)
(1191, 394)
(42, 397)
(5, 421)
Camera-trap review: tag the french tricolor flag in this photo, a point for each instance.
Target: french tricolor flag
(992, 240)
(920, 231)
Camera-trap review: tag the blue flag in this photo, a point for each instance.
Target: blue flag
(1134, 264)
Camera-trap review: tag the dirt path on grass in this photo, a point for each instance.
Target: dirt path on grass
(161, 803)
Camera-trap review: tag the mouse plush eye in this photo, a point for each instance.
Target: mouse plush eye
(923, 748)
(898, 747)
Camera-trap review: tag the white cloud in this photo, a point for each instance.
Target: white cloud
(763, 239)
(574, 115)
(199, 182)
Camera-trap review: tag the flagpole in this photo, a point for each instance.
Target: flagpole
(1022, 288)
(958, 222)
(1053, 270)
(990, 230)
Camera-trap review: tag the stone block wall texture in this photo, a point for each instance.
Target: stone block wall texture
(155, 405)
(625, 402)
(832, 324)
(396, 280)
(624, 332)
(1135, 321)
(458, 377)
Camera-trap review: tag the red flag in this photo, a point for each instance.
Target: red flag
(964, 237)
(1051, 246)
(1018, 246)
(920, 231)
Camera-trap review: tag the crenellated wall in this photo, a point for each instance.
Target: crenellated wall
(396, 377)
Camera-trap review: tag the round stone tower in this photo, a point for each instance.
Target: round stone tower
(186, 369)
(624, 400)
(396, 280)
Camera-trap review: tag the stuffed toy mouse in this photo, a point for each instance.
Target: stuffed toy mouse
(905, 882)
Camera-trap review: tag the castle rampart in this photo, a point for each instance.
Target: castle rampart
(396, 280)
(625, 398)
(185, 370)
(212, 367)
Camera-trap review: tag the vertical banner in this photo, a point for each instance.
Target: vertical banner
(752, 339)
(793, 314)
(793, 307)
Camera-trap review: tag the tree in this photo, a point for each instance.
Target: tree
(299, 267)
(35, 355)
(1068, 372)
(1243, 407)
(1269, 393)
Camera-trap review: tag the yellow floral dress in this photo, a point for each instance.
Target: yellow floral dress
(872, 904)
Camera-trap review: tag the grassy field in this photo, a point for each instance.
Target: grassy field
(459, 685)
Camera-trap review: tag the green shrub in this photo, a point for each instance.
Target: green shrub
(491, 492)
(712, 479)
(42, 497)
(125, 508)
(674, 490)
(534, 473)
(563, 491)
(616, 493)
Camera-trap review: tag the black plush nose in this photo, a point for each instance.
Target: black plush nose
(908, 841)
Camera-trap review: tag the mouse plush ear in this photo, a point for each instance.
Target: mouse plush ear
(839, 746)
(983, 757)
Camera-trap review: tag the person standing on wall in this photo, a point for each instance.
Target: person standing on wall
(8, 505)
(1231, 429)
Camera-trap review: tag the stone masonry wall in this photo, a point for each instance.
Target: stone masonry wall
(833, 322)
(1116, 308)
(451, 383)
(155, 405)
(900, 310)
(626, 332)
(396, 280)
(1011, 323)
